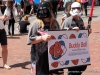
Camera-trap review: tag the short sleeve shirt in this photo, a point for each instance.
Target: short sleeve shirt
(40, 50)
(71, 23)
(1, 22)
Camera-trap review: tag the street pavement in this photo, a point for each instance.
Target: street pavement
(19, 51)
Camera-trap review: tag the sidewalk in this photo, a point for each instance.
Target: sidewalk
(19, 54)
(94, 44)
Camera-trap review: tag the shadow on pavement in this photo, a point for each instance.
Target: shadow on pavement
(21, 34)
(13, 37)
(22, 65)
(1, 67)
(94, 16)
(88, 16)
(89, 9)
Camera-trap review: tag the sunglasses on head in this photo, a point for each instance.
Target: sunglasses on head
(76, 8)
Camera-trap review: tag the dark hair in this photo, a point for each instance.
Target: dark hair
(0, 4)
(11, 4)
(68, 8)
(50, 5)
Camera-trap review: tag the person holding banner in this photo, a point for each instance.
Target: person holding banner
(75, 22)
(38, 38)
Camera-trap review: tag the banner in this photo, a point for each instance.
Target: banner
(68, 49)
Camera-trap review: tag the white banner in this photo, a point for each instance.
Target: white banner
(68, 48)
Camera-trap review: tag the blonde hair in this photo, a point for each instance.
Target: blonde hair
(25, 17)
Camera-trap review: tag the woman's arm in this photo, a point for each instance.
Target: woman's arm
(33, 38)
(62, 20)
(65, 24)
(38, 39)
(1, 17)
(4, 18)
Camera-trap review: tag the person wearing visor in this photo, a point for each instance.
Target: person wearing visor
(38, 38)
(75, 22)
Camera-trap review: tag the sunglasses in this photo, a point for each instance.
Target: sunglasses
(76, 8)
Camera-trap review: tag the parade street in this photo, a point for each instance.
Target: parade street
(19, 51)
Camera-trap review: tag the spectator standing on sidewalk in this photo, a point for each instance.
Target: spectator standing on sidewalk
(75, 22)
(60, 4)
(3, 7)
(99, 2)
(85, 4)
(22, 8)
(11, 12)
(32, 7)
(66, 3)
(53, 6)
(39, 49)
(66, 14)
(3, 40)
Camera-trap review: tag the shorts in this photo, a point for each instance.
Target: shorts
(3, 37)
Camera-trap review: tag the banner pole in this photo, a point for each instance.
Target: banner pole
(90, 16)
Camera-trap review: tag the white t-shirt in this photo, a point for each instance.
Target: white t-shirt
(8, 13)
(1, 22)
